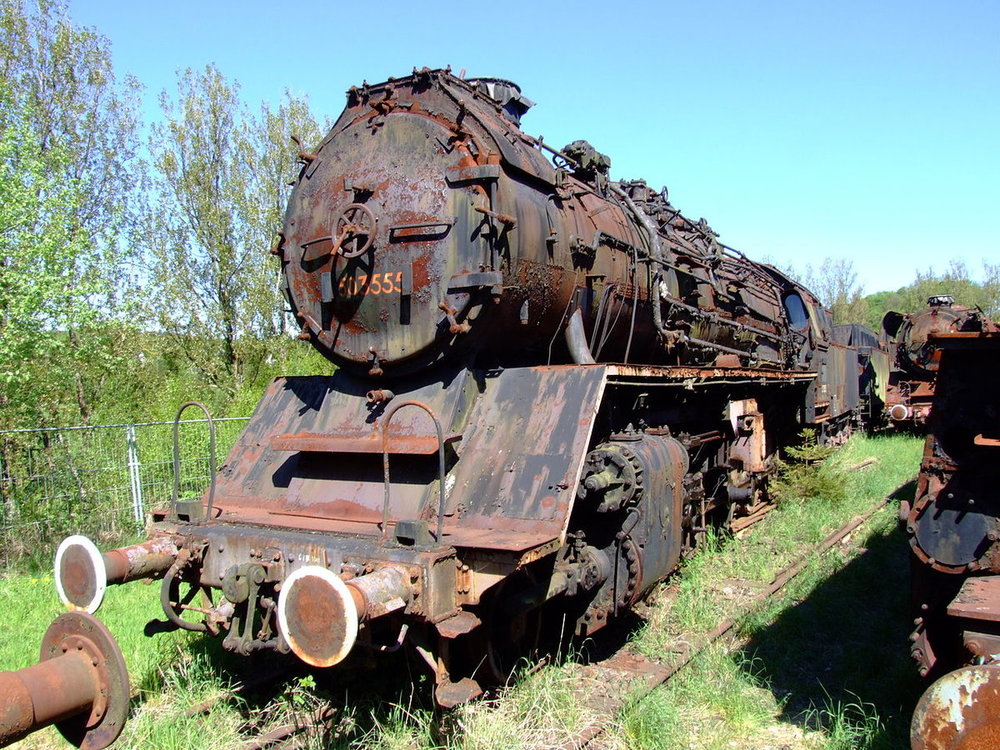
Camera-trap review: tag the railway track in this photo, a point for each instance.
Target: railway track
(624, 677)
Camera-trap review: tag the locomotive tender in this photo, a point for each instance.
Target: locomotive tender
(548, 385)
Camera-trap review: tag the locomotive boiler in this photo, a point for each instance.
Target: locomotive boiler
(549, 384)
(910, 388)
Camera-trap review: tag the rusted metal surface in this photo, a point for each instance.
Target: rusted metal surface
(953, 523)
(82, 573)
(961, 711)
(137, 561)
(312, 443)
(318, 616)
(916, 360)
(953, 529)
(80, 685)
(522, 444)
(437, 168)
(978, 599)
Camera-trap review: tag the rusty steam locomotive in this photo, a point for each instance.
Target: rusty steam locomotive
(548, 385)
(953, 526)
(910, 388)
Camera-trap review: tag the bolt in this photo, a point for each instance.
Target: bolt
(923, 671)
(993, 535)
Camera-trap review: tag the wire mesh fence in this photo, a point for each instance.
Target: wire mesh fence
(100, 481)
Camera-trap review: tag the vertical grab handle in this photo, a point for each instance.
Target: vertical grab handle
(390, 413)
(177, 457)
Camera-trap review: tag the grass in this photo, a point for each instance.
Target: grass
(825, 663)
(822, 665)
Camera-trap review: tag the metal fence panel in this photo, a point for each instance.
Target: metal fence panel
(97, 480)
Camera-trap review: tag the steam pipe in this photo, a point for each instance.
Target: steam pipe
(576, 340)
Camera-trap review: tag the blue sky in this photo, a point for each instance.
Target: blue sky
(801, 130)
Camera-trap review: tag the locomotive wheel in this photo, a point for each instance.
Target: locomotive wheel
(513, 631)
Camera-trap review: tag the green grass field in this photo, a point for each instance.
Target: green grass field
(824, 664)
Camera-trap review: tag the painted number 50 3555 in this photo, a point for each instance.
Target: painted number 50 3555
(388, 282)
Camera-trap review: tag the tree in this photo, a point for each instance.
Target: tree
(77, 125)
(991, 289)
(835, 282)
(39, 295)
(956, 281)
(220, 187)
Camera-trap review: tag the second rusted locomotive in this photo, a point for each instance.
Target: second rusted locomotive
(911, 381)
(953, 526)
(549, 385)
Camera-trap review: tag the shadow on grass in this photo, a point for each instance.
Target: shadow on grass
(842, 654)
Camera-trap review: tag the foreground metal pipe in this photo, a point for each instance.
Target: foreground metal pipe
(319, 613)
(80, 684)
(82, 573)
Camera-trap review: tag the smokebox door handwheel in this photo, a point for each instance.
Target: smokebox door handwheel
(354, 230)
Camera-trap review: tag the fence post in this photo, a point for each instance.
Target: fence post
(134, 476)
(6, 484)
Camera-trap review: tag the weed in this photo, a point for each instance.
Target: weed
(849, 725)
(806, 473)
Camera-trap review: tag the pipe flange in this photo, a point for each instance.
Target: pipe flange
(79, 631)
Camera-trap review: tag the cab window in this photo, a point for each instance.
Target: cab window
(795, 308)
